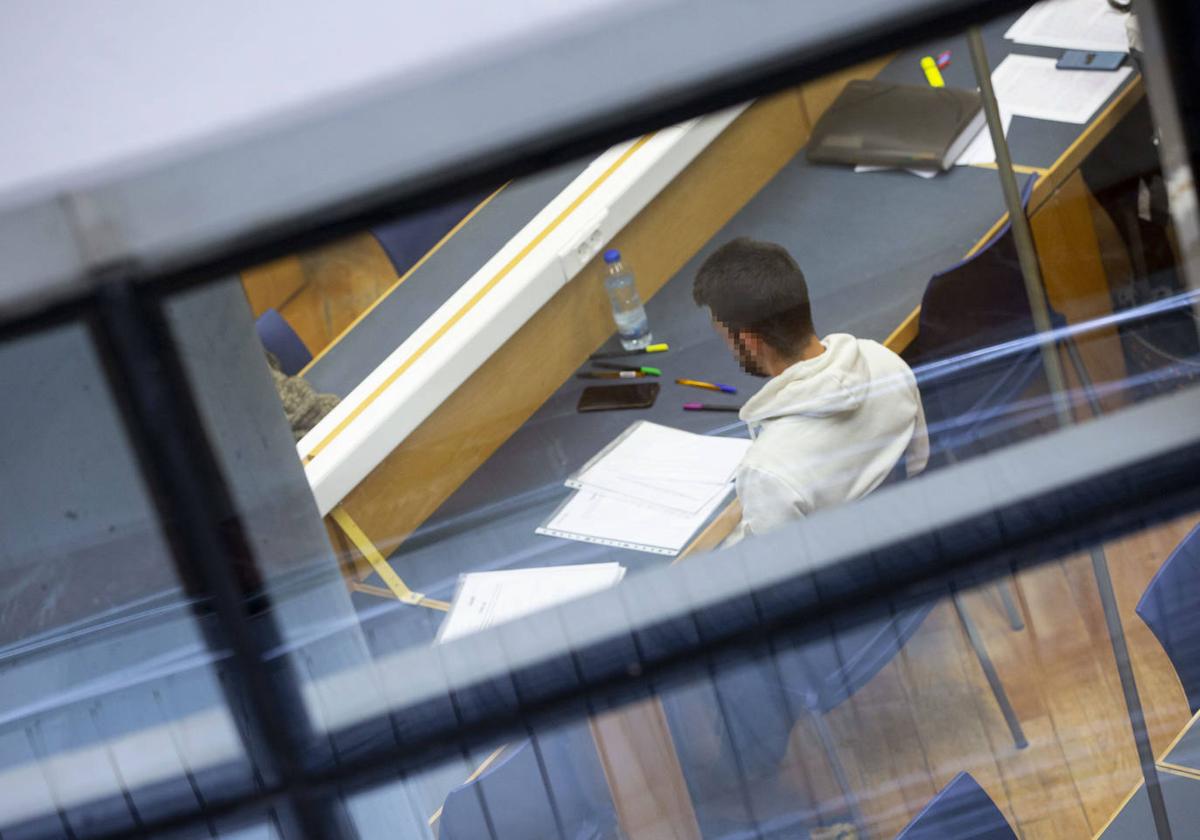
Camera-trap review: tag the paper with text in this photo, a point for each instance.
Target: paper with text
(1090, 25)
(1029, 86)
(664, 467)
(485, 599)
(624, 523)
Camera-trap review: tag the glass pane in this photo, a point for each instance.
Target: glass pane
(113, 710)
(831, 329)
(459, 431)
(888, 716)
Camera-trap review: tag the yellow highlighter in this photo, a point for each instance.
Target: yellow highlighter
(932, 73)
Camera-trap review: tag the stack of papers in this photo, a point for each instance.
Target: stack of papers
(1090, 25)
(649, 490)
(1033, 87)
(485, 599)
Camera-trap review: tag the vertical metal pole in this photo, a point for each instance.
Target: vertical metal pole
(212, 554)
(1027, 254)
(1165, 69)
(1022, 236)
(1133, 703)
(990, 674)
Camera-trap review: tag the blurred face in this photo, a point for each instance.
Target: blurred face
(747, 347)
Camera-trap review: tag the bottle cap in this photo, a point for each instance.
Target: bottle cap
(612, 255)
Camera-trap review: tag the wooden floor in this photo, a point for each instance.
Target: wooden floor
(929, 714)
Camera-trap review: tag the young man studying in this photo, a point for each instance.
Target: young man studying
(838, 416)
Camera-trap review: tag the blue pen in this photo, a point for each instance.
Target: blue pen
(708, 386)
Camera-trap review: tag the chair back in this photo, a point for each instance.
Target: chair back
(732, 732)
(278, 337)
(1170, 606)
(973, 357)
(515, 800)
(962, 810)
(407, 240)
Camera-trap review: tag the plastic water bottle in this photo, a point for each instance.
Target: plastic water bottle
(630, 316)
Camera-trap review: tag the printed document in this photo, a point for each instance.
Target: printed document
(485, 599)
(1090, 25)
(1030, 86)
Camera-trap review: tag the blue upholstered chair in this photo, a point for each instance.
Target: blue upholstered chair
(732, 731)
(978, 371)
(1170, 606)
(278, 337)
(560, 794)
(962, 810)
(407, 240)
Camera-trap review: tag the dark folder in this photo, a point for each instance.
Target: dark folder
(884, 124)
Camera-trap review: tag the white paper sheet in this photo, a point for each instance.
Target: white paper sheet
(920, 173)
(485, 599)
(1090, 25)
(1029, 86)
(626, 523)
(981, 149)
(663, 467)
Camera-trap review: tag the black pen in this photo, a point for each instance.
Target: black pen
(709, 407)
(616, 374)
(649, 371)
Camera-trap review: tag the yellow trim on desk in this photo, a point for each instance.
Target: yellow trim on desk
(1179, 736)
(412, 270)
(1070, 160)
(1161, 761)
(487, 762)
(1017, 167)
(904, 334)
(1179, 771)
(1141, 783)
(1117, 811)
(1159, 764)
(381, 566)
(476, 298)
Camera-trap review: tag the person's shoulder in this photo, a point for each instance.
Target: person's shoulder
(880, 354)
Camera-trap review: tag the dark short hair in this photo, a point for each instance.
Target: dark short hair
(757, 287)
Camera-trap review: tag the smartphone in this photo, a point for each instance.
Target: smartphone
(610, 397)
(1084, 60)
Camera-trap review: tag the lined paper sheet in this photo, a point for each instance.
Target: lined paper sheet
(623, 523)
(485, 599)
(1090, 25)
(664, 467)
(1030, 86)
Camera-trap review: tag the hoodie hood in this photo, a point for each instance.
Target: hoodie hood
(836, 382)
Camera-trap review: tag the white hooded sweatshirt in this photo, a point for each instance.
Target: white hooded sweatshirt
(828, 430)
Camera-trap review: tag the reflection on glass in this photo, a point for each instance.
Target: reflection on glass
(113, 709)
(433, 427)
